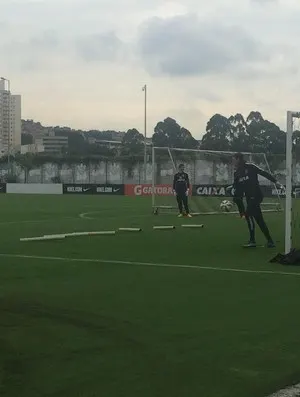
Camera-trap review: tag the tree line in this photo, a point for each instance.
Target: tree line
(235, 133)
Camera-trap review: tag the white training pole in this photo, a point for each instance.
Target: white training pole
(288, 199)
(43, 238)
(130, 229)
(163, 227)
(193, 226)
(100, 233)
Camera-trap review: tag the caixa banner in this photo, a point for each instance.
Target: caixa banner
(147, 190)
(93, 189)
(212, 190)
(224, 191)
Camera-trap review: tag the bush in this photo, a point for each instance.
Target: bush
(11, 179)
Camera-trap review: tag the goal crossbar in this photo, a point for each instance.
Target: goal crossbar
(203, 151)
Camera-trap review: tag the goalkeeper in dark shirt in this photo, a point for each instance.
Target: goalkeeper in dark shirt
(246, 184)
(181, 186)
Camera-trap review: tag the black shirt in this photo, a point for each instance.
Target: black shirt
(246, 181)
(181, 182)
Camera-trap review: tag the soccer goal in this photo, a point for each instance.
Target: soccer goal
(210, 174)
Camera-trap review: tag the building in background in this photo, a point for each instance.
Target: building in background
(112, 144)
(10, 121)
(32, 148)
(52, 143)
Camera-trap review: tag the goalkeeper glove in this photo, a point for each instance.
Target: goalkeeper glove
(231, 188)
(187, 192)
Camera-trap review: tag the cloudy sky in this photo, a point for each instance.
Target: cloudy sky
(83, 63)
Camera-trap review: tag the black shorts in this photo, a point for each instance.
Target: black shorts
(181, 192)
(253, 206)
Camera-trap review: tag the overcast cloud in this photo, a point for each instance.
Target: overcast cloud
(83, 62)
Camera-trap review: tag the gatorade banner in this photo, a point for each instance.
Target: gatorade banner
(147, 189)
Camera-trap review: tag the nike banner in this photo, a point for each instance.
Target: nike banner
(110, 189)
(93, 189)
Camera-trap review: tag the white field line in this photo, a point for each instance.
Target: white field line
(148, 264)
(69, 219)
(292, 391)
(38, 221)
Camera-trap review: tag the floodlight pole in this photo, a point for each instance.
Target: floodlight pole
(289, 180)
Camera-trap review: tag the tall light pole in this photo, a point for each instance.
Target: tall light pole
(145, 135)
(9, 124)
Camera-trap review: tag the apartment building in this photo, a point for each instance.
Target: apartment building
(10, 120)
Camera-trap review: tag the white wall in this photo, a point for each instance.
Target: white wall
(32, 148)
(34, 188)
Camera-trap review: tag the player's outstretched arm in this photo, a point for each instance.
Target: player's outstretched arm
(264, 173)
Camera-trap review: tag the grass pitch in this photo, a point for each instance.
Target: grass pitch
(113, 320)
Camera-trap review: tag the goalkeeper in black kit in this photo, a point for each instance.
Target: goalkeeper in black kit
(246, 185)
(181, 187)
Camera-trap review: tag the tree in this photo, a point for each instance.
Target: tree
(132, 149)
(239, 134)
(264, 136)
(102, 151)
(27, 162)
(169, 133)
(255, 134)
(132, 143)
(218, 135)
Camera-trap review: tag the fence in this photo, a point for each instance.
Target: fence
(108, 172)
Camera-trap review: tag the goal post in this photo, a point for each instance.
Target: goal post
(210, 173)
(289, 181)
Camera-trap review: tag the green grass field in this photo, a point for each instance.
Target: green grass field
(112, 320)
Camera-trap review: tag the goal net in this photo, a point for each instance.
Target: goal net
(210, 173)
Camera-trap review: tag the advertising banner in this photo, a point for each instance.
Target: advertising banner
(105, 189)
(146, 190)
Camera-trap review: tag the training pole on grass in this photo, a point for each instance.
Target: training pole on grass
(48, 237)
(42, 238)
(100, 233)
(193, 226)
(130, 229)
(163, 227)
